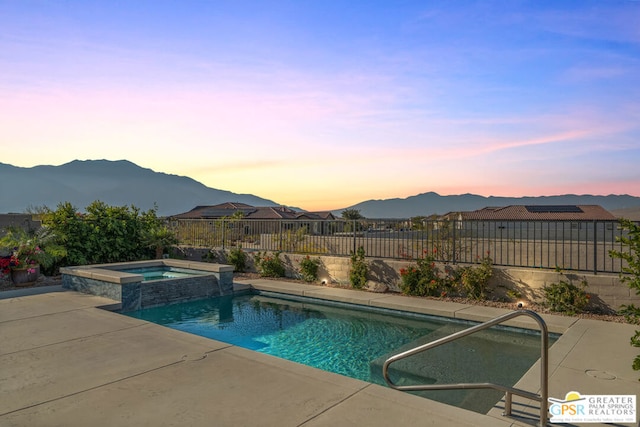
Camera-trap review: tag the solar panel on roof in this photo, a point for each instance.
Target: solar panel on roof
(219, 213)
(553, 209)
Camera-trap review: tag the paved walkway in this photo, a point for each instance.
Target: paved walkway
(64, 361)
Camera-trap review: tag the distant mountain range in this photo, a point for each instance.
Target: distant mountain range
(124, 183)
(116, 183)
(432, 203)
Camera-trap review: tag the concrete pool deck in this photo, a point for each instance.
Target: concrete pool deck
(64, 361)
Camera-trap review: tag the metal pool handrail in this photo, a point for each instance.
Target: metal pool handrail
(509, 391)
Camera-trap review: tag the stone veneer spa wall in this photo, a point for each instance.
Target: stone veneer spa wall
(129, 283)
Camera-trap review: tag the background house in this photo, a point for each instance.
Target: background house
(541, 213)
(590, 222)
(228, 209)
(255, 220)
(25, 221)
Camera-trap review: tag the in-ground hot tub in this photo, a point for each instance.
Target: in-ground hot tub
(143, 284)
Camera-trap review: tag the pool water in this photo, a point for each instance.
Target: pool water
(355, 341)
(163, 272)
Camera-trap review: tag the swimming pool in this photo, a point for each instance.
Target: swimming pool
(355, 341)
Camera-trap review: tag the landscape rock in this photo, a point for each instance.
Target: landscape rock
(376, 287)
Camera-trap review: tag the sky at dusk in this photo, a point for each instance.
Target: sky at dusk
(324, 104)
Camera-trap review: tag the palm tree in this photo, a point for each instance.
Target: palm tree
(351, 214)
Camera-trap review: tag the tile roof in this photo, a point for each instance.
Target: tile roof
(269, 212)
(250, 212)
(324, 214)
(541, 213)
(215, 211)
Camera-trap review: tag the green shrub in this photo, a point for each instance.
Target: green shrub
(473, 280)
(413, 282)
(422, 279)
(270, 265)
(359, 269)
(566, 297)
(631, 271)
(159, 237)
(238, 258)
(210, 256)
(631, 276)
(632, 315)
(106, 233)
(309, 268)
(425, 278)
(513, 294)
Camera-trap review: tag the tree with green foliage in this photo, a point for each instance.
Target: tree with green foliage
(106, 233)
(351, 214)
(159, 237)
(418, 222)
(631, 275)
(71, 230)
(231, 229)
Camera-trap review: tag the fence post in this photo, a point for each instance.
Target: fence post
(224, 234)
(354, 236)
(453, 253)
(595, 246)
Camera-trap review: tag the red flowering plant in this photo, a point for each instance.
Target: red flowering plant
(425, 278)
(5, 265)
(26, 260)
(269, 265)
(26, 250)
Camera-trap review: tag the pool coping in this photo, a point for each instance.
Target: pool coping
(109, 272)
(67, 361)
(476, 313)
(117, 281)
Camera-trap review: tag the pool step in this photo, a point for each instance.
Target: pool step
(477, 358)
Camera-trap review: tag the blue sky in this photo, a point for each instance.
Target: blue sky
(325, 104)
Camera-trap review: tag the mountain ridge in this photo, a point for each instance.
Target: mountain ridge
(122, 182)
(430, 203)
(115, 182)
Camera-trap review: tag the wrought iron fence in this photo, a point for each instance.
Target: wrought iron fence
(568, 245)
